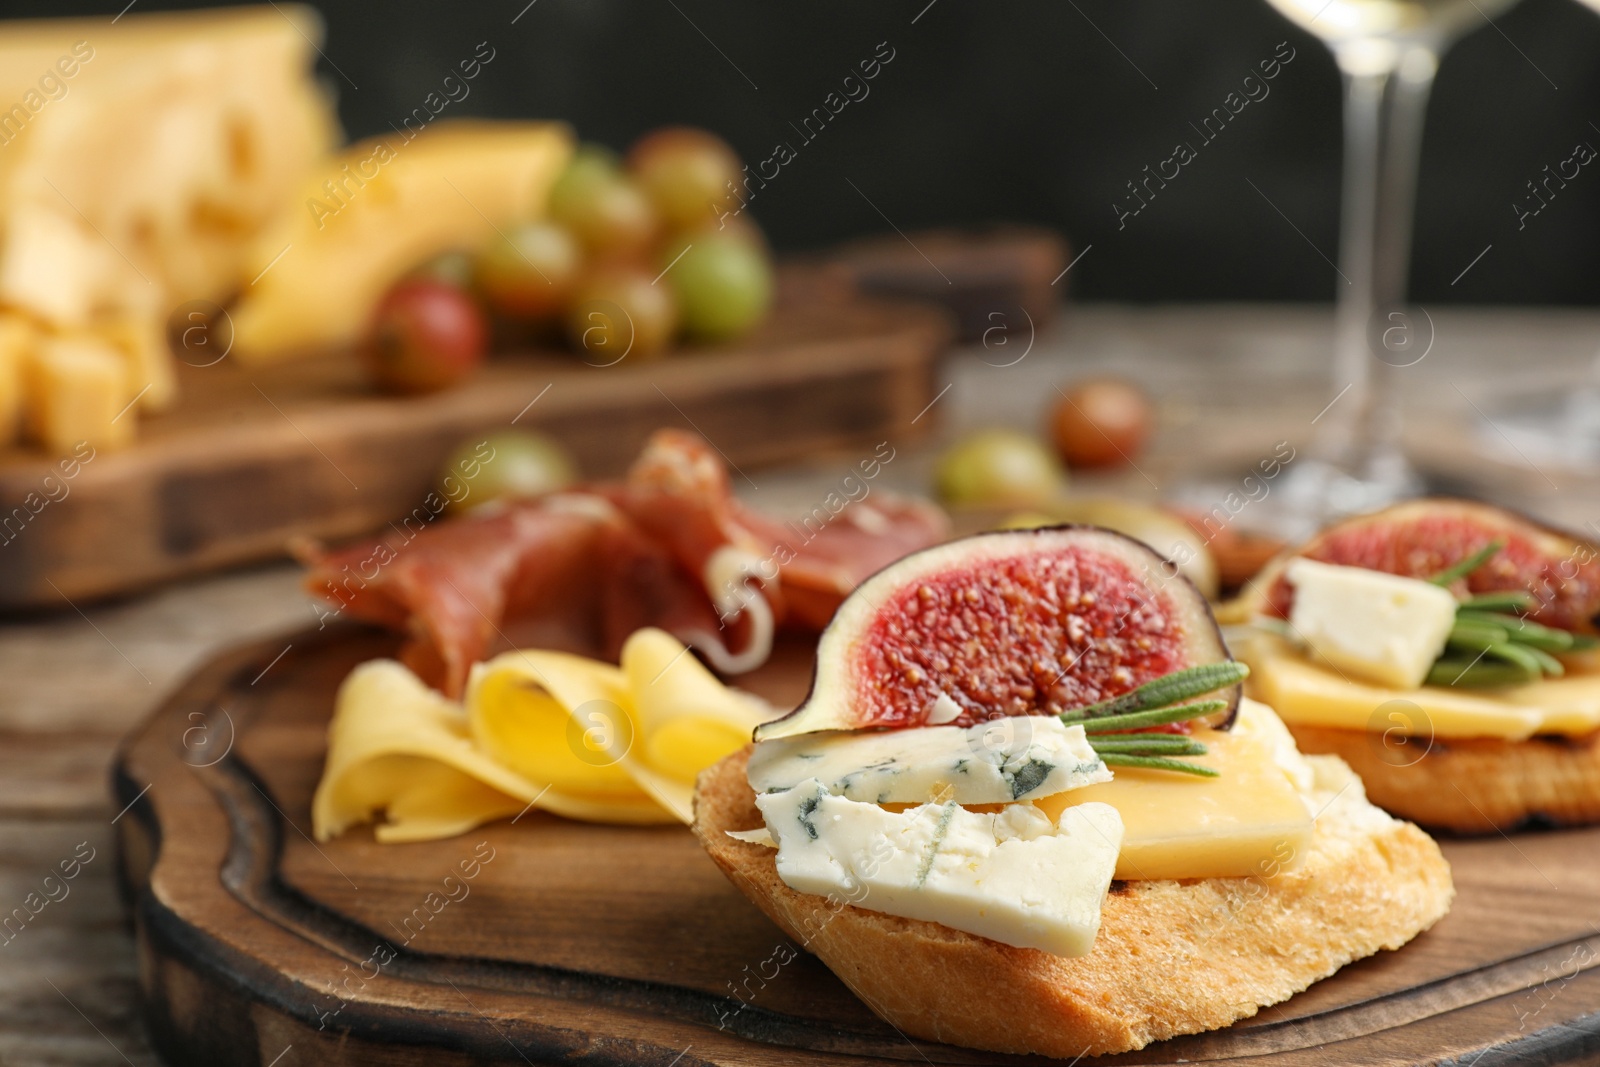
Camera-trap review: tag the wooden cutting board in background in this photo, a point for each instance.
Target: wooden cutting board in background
(626, 947)
(253, 457)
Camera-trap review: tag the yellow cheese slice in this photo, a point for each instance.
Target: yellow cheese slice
(539, 729)
(650, 726)
(395, 746)
(1304, 692)
(378, 210)
(554, 717)
(688, 719)
(1570, 706)
(1250, 821)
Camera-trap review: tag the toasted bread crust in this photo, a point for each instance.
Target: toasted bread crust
(1472, 785)
(1171, 957)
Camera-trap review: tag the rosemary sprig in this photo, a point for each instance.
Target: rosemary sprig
(1142, 735)
(1112, 725)
(1482, 673)
(1523, 631)
(1514, 600)
(1118, 759)
(1170, 745)
(1493, 643)
(1138, 720)
(1465, 567)
(1169, 689)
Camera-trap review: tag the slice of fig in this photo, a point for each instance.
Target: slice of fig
(1013, 622)
(1421, 538)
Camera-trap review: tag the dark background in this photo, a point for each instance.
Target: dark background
(1029, 112)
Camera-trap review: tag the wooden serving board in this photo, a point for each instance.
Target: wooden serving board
(625, 946)
(254, 457)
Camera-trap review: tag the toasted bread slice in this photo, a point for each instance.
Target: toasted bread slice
(1171, 957)
(1471, 785)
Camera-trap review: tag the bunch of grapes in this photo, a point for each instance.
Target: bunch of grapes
(633, 254)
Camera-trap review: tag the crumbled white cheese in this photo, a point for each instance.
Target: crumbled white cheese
(1380, 627)
(1013, 877)
(1022, 757)
(944, 711)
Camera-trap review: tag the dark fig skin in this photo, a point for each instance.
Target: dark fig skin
(1176, 585)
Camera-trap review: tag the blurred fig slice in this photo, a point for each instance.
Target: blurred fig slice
(1012, 622)
(1421, 538)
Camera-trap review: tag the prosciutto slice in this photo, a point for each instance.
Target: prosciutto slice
(670, 546)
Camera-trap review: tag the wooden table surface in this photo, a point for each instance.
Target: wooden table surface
(1231, 382)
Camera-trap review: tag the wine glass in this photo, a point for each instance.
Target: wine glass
(1539, 425)
(1388, 53)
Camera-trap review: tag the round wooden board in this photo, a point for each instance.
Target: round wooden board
(612, 945)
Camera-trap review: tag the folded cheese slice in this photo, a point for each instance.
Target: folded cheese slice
(397, 747)
(540, 729)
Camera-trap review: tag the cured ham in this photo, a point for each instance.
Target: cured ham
(670, 546)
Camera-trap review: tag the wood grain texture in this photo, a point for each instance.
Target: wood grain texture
(1001, 284)
(252, 458)
(625, 945)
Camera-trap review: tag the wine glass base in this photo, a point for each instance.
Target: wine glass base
(1315, 492)
(1559, 428)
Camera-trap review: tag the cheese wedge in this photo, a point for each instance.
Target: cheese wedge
(1307, 693)
(379, 210)
(169, 141)
(1253, 820)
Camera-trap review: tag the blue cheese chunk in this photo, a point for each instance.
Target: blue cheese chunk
(1023, 757)
(1014, 877)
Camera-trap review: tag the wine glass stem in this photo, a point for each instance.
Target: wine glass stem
(1384, 110)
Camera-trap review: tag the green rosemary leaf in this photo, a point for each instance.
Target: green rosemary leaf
(1547, 663)
(1156, 763)
(1522, 631)
(1482, 674)
(1139, 735)
(1178, 746)
(1168, 689)
(1477, 636)
(1140, 719)
(1522, 657)
(1468, 565)
(1511, 600)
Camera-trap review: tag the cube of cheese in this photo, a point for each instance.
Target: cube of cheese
(1379, 627)
(1015, 877)
(77, 391)
(1021, 757)
(16, 342)
(147, 357)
